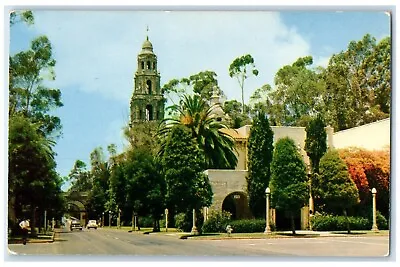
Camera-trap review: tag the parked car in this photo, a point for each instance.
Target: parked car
(76, 224)
(92, 224)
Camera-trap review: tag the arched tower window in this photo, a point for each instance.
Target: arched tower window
(148, 86)
(149, 113)
(142, 65)
(148, 65)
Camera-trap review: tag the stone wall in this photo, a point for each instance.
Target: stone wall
(224, 182)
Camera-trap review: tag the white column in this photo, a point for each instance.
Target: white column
(194, 228)
(374, 226)
(267, 226)
(166, 220)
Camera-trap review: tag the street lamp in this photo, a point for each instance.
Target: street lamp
(374, 226)
(102, 220)
(267, 227)
(109, 218)
(194, 228)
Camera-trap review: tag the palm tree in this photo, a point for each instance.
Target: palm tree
(217, 146)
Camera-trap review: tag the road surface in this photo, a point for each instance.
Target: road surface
(111, 242)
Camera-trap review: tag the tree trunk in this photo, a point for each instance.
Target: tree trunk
(156, 225)
(347, 221)
(292, 221)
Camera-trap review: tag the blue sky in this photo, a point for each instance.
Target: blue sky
(96, 57)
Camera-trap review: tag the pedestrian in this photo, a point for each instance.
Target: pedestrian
(24, 224)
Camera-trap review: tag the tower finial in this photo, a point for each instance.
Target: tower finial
(147, 30)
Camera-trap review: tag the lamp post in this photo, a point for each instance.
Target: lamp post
(374, 226)
(166, 220)
(102, 220)
(194, 228)
(109, 218)
(267, 227)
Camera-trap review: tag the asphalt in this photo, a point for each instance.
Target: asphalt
(299, 234)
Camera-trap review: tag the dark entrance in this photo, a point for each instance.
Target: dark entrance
(237, 204)
(283, 220)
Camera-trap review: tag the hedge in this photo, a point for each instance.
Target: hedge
(248, 226)
(339, 223)
(217, 222)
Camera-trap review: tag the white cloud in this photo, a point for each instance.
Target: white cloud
(96, 51)
(321, 61)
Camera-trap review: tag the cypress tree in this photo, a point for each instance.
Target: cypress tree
(260, 149)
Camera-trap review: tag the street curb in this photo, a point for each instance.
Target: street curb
(280, 236)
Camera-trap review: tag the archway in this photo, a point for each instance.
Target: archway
(237, 204)
(77, 210)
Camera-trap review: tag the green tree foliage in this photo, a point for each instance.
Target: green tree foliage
(242, 68)
(260, 149)
(22, 16)
(79, 177)
(143, 136)
(204, 83)
(237, 118)
(216, 146)
(297, 95)
(27, 94)
(353, 90)
(141, 182)
(378, 73)
(315, 141)
(333, 188)
(99, 198)
(358, 84)
(183, 163)
(33, 184)
(288, 184)
(201, 84)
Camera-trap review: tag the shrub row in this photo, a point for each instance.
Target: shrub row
(248, 226)
(339, 223)
(218, 221)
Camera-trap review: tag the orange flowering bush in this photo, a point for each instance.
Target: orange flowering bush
(369, 169)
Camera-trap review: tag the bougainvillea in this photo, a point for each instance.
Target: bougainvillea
(370, 169)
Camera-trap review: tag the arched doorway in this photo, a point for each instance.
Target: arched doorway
(237, 204)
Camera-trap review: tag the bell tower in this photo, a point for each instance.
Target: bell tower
(147, 102)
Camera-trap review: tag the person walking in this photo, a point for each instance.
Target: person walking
(24, 224)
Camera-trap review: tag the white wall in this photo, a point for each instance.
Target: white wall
(372, 136)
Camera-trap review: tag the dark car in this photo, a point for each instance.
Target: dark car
(75, 224)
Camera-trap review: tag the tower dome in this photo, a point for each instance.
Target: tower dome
(147, 46)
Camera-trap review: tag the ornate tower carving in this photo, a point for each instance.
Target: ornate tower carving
(147, 102)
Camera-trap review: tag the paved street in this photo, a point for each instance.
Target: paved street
(110, 242)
